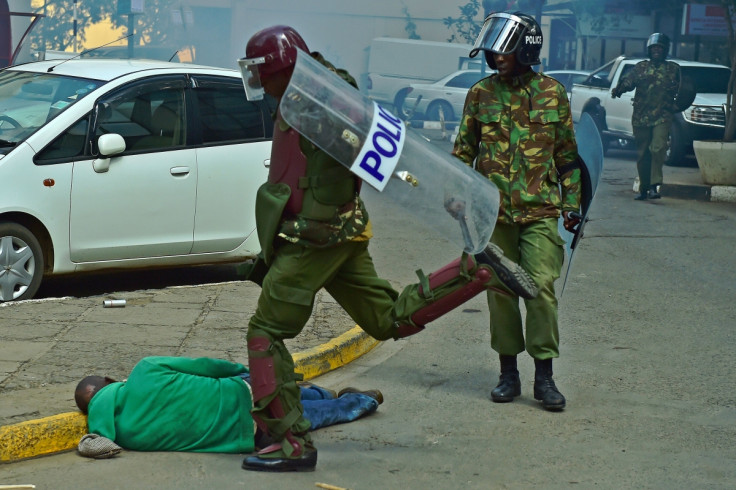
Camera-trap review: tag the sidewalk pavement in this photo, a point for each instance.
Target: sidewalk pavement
(687, 183)
(48, 346)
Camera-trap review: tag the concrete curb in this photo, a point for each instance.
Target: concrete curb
(715, 193)
(62, 432)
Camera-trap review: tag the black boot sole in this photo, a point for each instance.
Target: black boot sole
(503, 398)
(552, 407)
(306, 463)
(509, 272)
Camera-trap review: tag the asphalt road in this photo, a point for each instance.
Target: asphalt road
(647, 336)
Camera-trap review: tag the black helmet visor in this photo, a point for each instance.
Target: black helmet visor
(501, 34)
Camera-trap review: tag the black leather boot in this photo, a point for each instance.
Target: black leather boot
(509, 384)
(654, 192)
(643, 196)
(544, 386)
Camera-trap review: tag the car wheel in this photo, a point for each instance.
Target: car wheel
(439, 110)
(21, 262)
(676, 147)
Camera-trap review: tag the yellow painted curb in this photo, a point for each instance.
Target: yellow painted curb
(41, 437)
(62, 432)
(335, 353)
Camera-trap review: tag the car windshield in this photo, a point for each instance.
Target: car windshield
(30, 100)
(707, 80)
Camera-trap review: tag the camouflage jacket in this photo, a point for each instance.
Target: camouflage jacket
(519, 134)
(656, 87)
(348, 221)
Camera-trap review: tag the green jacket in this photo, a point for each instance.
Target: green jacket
(177, 404)
(519, 134)
(656, 87)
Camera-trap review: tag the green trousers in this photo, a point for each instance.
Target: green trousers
(651, 150)
(538, 248)
(347, 272)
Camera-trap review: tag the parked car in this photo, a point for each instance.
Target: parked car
(443, 99)
(568, 77)
(125, 164)
(704, 119)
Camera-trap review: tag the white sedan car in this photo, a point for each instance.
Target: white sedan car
(125, 164)
(568, 77)
(440, 100)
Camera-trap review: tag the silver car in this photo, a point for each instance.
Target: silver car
(442, 100)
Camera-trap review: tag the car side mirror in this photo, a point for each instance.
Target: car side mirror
(109, 145)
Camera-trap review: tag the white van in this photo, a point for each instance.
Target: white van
(397, 63)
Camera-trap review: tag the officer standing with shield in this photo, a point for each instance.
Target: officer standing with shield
(314, 232)
(656, 81)
(517, 130)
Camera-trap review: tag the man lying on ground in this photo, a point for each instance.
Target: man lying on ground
(198, 404)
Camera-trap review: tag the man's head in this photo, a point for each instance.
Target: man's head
(658, 46)
(87, 388)
(516, 37)
(269, 60)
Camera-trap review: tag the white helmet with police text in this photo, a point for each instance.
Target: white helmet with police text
(506, 33)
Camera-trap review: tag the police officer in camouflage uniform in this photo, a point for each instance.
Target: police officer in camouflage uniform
(517, 130)
(314, 232)
(656, 81)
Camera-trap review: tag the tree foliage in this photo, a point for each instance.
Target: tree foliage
(466, 26)
(411, 26)
(56, 31)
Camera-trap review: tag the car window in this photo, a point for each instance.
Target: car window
(30, 100)
(464, 80)
(67, 146)
(150, 116)
(707, 80)
(563, 78)
(225, 114)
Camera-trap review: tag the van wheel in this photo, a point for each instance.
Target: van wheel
(21, 262)
(440, 110)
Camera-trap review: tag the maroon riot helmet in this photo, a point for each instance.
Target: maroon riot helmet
(268, 51)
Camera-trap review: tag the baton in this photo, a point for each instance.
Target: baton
(466, 233)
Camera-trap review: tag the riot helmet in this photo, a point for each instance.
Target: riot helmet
(268, 51)
(658, 39)
(506, 33)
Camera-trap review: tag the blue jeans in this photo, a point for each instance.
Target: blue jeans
(321, 409)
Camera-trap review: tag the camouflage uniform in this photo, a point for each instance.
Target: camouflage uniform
(656, 85)
(519, 134)
(324, 246)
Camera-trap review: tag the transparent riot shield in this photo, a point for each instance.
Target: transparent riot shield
(590, 150)
(422, 180)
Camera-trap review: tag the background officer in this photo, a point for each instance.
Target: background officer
(656, 82)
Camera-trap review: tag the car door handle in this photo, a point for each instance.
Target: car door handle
(267, 163)
(177, 171)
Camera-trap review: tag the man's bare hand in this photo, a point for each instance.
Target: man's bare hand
(571, 220)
